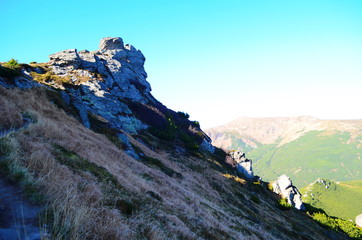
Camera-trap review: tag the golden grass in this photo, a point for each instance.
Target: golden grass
(235, 178)
(144, 203)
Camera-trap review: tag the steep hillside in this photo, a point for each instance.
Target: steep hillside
(91, 188)
(304, 148)
(340, 199)
(88, 143)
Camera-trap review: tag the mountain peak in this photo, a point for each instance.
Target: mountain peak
(111, 43)
(110, 84)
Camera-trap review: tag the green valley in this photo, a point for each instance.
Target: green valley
(311, 156)
(304, 148)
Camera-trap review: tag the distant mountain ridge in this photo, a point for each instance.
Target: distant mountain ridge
(303, 147)
(279, 130)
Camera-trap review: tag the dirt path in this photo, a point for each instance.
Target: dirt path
(18, 217)
(350, 186)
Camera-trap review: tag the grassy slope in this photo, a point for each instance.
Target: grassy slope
(316, 154)
(93, 190)
(341, 199)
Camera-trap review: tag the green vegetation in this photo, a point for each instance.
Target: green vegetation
(184, 115)
(50, 78)
(196, 123)
(10, 69)
(337, 224)
(316, 154)
(169, 133)
(11, 167)
(190, 143)
(12, 64)
(174, 131)
(76, 163)
(283, 204)
(336, 199)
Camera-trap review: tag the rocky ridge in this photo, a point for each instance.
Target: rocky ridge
(107, 77)
(108, 87)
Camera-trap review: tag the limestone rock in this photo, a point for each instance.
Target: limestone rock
(243, 164)
(207, 146)
(284, 187)
(102, 86)
(359, 220)
(66, 58)
(104, 77)
(111, 43)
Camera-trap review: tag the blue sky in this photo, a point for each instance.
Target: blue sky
(216, 60)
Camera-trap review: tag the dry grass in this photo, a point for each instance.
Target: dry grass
(93, 190)
(235, 178)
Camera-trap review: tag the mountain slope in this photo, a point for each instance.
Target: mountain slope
(105, 160)
(93, 189)
(304, 148)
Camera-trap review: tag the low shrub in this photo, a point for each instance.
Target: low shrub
(9, 72)
(337, 224)
(169, 133)
(283, 204)
(12, 64)
(196, 123)
(190, 142)
(255, 199)
(184, 115)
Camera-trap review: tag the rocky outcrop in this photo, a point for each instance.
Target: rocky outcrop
(206, 144)
(102, 81)
(242, 164)
(110, 84)
(359, 220)
(284, 187)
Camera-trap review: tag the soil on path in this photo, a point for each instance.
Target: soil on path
(18, 217)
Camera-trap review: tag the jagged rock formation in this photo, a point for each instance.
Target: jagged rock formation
(359, 220)
(109, 86)
(242, 164)
(286, 189)
(107, 77)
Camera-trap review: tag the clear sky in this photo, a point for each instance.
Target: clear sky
(216, 60)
